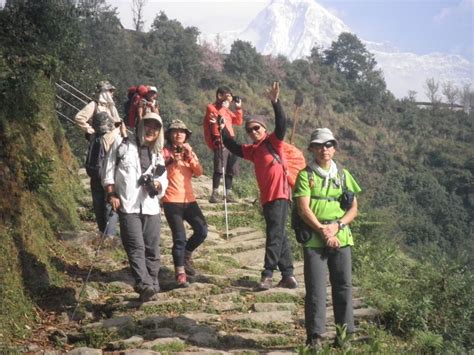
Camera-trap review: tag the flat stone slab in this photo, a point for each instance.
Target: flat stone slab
(263, 317)
(85, 351)
(132, 342)
(251, 257)
(272, 307)
(112, 322)
(162, 341)
(240, 230)
(202, 317)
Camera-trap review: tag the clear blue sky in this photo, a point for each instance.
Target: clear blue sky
(418, 26)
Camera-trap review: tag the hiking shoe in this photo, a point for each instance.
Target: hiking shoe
(266, 283)
(314, 342)
(230, 197)
(189, 266)
(288, 282)
(146, 293)
(214, 197)
(181, 280)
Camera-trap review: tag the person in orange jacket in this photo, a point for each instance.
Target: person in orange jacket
(222, 157)
(179, 202)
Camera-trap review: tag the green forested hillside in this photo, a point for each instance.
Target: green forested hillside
(415, 233)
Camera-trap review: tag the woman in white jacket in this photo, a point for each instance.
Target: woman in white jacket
(135, 179)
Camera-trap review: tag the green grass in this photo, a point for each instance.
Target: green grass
(279, 298)
(179, 307)
(171, 347)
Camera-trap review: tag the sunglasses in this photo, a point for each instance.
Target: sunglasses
(253, 128)
(327, 145)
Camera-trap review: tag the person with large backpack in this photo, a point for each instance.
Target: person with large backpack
(326, 203)
(99, 119)
(274, 188)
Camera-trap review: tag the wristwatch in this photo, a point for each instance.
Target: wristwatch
(341, 225)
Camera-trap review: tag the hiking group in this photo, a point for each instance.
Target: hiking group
(131, 173)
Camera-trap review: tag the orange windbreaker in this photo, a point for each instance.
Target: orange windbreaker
(211, 130)
(180, 174)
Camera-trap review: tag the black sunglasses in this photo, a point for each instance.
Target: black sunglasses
(253, 128)
(328, 144)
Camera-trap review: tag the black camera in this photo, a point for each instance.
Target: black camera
(179, 149)
(147, 180)
(236, 99)
(220, 120)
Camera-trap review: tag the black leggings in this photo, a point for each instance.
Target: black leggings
(176, 214)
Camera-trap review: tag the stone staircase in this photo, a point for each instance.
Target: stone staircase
(218, 314)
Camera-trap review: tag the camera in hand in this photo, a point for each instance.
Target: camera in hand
(236, 99)
(179, 149)
(220, 120)
(147, 180)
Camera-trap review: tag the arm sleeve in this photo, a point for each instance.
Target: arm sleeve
(213, 127)
(163, 179)
(238, 117)
(280, 120)
(195, 165)
(110, 162)
(302, 185)
(231, 144)
(84, 116)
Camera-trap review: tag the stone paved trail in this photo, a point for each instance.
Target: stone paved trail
(218, 314)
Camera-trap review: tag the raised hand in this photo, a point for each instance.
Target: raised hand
(274, 92)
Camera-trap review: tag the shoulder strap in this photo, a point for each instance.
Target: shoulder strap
(342, 176)
(272, 151)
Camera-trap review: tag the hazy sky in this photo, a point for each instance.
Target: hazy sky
(419, 26)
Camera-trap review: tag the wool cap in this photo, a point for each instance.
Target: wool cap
(260, 119)
(178, 124)
(322, 135)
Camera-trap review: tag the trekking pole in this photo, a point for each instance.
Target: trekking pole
(298, 103)
(102, 237)
(75, 89)
(63, 88)
(221, 147)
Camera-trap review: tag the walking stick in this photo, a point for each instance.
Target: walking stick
(221, 147)
(102, 237)
(298, 103)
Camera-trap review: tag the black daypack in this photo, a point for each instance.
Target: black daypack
(303, 232)
(102, 124)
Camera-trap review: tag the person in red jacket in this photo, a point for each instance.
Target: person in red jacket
(212, 135)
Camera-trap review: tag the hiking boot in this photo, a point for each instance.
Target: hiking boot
(288, 282)
(230, 197)
(181, 280)
(266, 283)
(214, 197)
(189, 266)
(314, 342)
(146, 293)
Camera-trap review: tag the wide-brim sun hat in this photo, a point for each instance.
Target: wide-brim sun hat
(105, 85)
(322, 135)
(178, 124)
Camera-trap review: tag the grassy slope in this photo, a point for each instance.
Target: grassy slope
(30, 252)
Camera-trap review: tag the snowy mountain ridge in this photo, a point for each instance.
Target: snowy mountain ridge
(293, 27)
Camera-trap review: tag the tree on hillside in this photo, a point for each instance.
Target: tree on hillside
(467, 97)
(138, 7)
(431, 92)
(175, 53)
(349, 56)
(451, 93)
(244, 61)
